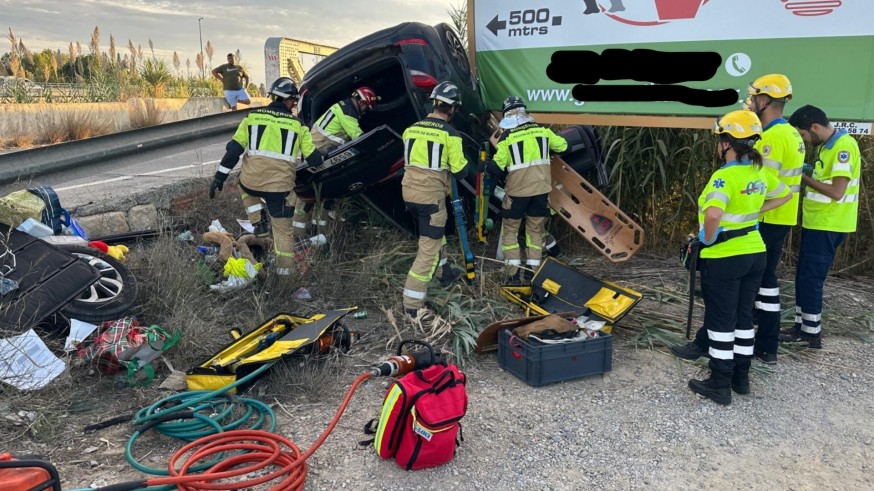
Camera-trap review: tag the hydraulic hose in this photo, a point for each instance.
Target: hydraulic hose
(220, 457)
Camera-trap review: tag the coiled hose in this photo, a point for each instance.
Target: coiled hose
(218, 451)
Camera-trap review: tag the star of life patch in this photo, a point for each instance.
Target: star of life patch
(843, 156)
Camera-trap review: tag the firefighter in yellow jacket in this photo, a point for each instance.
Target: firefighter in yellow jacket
(433, 153)
(340, 124)
(523, 156)
(270, 141)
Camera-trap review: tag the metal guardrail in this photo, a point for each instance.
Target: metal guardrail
(30, 164)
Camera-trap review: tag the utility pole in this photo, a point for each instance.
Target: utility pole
(202, 62)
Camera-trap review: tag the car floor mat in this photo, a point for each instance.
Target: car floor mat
(48, 279)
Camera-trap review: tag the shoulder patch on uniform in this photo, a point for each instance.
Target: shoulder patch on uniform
(843, 156)
(719, 183)
(766, 150)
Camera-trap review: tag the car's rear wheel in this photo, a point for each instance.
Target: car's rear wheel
(109, 297)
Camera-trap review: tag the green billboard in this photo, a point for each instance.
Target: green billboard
(674, 57)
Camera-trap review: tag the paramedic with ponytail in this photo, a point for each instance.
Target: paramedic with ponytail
(733, 254)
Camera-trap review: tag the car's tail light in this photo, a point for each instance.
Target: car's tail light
(396, 167)
(411, 41)
(423, 80)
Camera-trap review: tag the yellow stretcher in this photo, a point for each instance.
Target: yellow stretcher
(282, 335)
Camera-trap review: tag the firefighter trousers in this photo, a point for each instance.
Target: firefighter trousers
(535, 211)
(280, 208)
(431, 219)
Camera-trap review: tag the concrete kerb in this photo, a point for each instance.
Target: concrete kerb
(137, 212)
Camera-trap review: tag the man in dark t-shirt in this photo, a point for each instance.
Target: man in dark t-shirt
(234, 81)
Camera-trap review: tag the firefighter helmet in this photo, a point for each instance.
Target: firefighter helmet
(446, 93)
(284, 88)
(512, 102)
(366, 95)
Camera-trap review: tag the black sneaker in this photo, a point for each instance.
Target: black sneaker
(814, 341)
(766, 358)
(412, 312)
(689, 351)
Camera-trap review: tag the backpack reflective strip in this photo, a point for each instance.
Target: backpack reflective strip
(390, 401)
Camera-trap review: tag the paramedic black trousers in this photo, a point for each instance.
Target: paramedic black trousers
(729, 286)
(768, 298)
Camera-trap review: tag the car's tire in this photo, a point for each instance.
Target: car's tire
(111, 296)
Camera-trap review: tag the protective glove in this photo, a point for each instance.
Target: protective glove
(218, 183)
(807, 169)
(715, 236)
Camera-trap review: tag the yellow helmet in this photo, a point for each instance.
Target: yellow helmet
(740, 125)
(775, 85)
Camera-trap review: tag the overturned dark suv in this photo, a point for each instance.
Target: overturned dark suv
(402, 64)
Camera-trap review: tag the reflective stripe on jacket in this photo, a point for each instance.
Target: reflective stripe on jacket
(524, 153)
(273, 140)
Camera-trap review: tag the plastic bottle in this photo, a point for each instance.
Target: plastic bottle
(35, 228)
(208, 250)
(361, 314)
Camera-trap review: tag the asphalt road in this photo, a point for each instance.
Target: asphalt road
(137, 173)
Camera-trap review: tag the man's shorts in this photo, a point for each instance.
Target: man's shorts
(232, 96)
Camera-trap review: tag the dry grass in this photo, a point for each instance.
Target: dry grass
(365, 267)
(144, 113)
(69, 126)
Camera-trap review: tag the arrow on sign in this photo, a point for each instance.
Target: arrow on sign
(496, 25)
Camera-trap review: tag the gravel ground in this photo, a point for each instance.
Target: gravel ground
(807, 425)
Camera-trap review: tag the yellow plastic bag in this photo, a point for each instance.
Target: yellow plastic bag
(242, 268)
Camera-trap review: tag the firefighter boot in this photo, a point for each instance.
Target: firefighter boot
(689, 351)
(740, 378)
(262, 229)
(717, 387)
(448, 274)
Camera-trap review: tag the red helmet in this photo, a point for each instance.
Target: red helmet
(367, 95)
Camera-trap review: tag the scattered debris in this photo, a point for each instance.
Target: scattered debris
(302, 294)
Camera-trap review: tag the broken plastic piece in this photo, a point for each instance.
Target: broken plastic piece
(216, 226)
(302, 294)
(7, 286)
(230, 284)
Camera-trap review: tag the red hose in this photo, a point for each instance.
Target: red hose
(262, 450)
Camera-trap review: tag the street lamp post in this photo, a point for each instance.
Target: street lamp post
(200, 32)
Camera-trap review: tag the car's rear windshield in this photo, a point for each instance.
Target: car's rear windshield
(415, 54)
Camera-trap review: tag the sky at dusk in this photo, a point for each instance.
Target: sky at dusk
(229, 25)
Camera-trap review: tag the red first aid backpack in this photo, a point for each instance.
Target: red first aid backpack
(419, 425)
